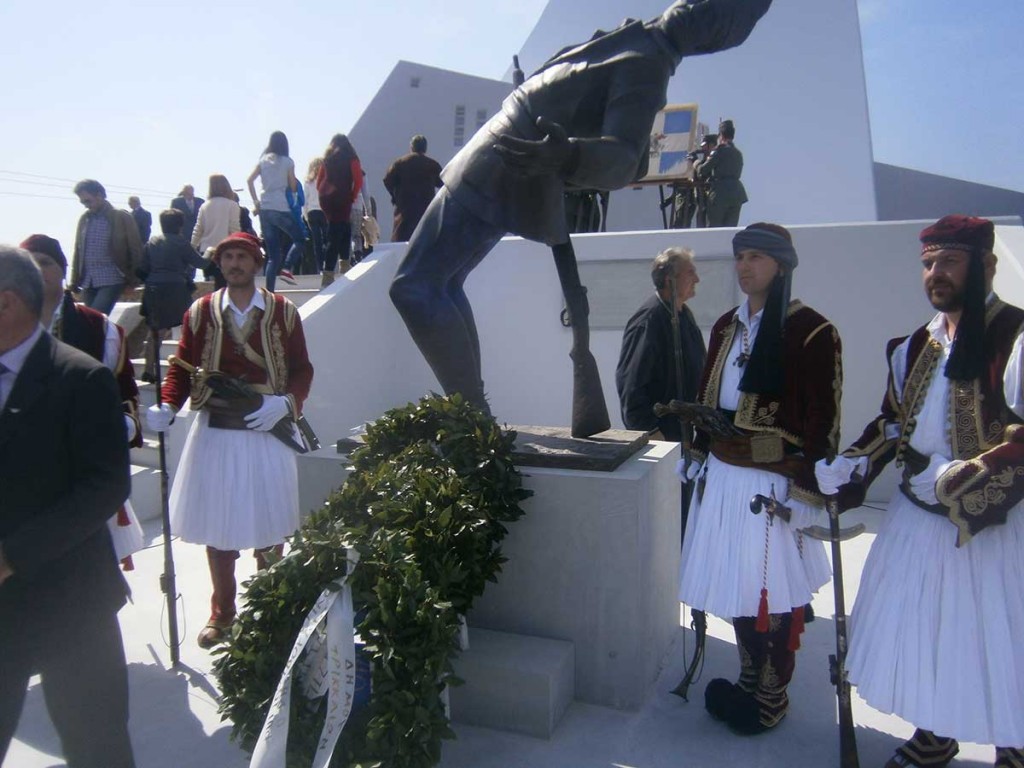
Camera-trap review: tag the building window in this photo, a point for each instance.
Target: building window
(460, 125)
(481, 118)
(414, 82)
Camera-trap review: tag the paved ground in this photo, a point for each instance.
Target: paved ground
(175, 721)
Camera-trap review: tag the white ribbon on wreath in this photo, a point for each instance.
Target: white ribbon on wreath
(329, 666)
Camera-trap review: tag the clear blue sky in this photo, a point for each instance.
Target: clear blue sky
(146, 96)
(946, 86)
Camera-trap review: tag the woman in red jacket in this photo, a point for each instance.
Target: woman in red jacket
(338, 183)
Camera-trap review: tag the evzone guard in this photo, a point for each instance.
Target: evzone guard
(936, 628)
(774, 369)
(243, 364)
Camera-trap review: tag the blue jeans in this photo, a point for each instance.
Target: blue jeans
(272, 224)
(103, 298)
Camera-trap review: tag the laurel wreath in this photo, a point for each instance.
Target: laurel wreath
(425, 506)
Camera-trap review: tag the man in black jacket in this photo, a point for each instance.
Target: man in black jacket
(646, 373)
(63, 472)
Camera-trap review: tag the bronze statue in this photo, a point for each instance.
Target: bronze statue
(583, 120)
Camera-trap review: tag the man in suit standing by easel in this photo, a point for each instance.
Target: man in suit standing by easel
(63, 472)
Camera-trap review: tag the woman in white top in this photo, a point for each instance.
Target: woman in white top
(315, 218)
(218, 217)
(276, 172)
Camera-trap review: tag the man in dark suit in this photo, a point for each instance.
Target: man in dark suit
(411, 181)
(582, 121)
(143, 218)
(722, 170)
(63, 472)
(189, 205)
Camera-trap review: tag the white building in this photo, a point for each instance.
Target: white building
(795, 90)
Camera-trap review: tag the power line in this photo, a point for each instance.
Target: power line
(66, 198)
(29, 194)
(75, 181)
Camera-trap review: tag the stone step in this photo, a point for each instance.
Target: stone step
(148, 454)
(145, 492)
(514, 682)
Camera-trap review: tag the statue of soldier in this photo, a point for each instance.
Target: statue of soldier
(583, 120)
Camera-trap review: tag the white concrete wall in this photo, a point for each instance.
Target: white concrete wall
(864, 277)
(795, 89)
(399, 111)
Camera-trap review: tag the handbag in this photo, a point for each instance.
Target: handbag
(370, 229)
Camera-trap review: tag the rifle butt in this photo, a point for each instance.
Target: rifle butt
(848, 757)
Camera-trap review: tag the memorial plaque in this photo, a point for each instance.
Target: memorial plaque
(556, 448)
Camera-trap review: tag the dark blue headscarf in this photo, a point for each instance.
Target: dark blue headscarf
(765, 370)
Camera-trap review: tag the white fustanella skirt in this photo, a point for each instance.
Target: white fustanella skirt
(729, 553)
(234, 489)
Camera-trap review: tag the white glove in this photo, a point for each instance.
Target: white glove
(129, 427)
(159, 417)
(685, 474)
(274, 408)
(831, 476)
(922, 485)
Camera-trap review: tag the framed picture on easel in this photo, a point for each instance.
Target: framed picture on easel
(673, 138)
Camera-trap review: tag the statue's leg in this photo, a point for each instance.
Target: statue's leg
(427, 290)
(461, 301)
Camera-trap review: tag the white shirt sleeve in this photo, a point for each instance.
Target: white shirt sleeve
(898, 362)
(1013, 378)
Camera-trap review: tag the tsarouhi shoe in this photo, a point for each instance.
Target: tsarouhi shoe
(728, 702)
(213, 634)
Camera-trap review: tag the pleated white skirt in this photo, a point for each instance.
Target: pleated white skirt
(725, 559)
(937, 632)
(234, 489)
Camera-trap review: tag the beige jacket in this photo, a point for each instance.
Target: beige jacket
(125, 246)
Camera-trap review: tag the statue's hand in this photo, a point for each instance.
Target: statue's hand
(555, 154)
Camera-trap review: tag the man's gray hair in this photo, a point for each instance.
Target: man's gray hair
(20, 275)
(667, 263)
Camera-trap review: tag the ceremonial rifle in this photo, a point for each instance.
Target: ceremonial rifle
(589, 412)
(168, 585)
(848, 757)
(837, 662)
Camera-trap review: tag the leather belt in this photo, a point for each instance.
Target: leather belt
(230, 414)
(758, 451)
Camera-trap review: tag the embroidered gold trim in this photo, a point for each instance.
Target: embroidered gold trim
(209, 356)
(814, 333)
(715, 378)
(837, 387)
(807, 497)
(914, 389)
(965, 414)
